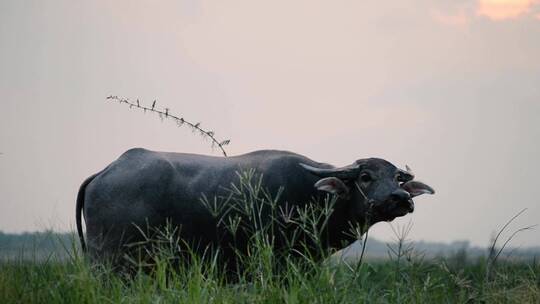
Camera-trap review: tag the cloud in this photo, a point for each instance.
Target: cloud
(461, 14)
(504, 9)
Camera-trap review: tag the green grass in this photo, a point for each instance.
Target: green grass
(411, 280)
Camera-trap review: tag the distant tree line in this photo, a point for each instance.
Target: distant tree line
(50, 242)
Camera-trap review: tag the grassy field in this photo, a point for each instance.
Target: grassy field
(404, 277)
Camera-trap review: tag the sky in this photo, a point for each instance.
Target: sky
(450, 88)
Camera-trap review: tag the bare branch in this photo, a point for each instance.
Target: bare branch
(196, 127)
(494, 243)
(510, 238)
(492, 255)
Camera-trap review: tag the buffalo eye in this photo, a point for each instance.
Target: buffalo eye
(365, 178)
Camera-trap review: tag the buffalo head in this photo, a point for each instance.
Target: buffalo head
(376, 189)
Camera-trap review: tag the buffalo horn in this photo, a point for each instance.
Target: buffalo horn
(406, 175)
(347, 172)
(409, 169)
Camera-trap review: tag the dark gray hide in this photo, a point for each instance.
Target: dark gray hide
(146, 189)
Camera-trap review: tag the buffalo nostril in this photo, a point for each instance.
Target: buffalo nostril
(400, 195)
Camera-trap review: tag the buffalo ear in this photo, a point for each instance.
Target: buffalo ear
(333, 185)
(416, 188)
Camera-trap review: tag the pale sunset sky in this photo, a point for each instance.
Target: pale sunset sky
(451, 88)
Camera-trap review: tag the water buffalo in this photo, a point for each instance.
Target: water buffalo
(145, 188)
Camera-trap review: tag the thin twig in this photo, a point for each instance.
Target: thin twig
(510, 238)
(492, 258)
(492, 249)
(179, 120)
(364, 245)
